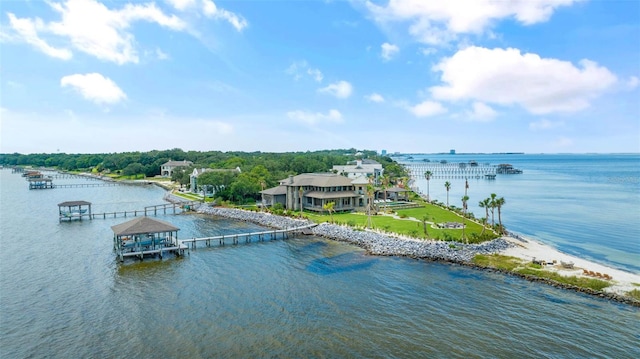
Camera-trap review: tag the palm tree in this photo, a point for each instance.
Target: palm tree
(464, 214)
(370, 193)
(385, 185)
(329, 208)
(484, 225)
(425, 218)
(427, 176)
(486, 204)
(499, 203)
(300, 191)
(262, 184)
(447, 185)
(492, 205)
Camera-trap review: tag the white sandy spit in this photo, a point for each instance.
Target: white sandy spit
(529, 249)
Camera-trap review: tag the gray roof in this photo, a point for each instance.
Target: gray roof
(318, 180)
(74, 203)
(274, 191)
(178, 163)
(329, 195)
(397, 189)
(142, 225)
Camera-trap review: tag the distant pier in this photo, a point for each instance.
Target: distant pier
(449, 170)
(460, 170)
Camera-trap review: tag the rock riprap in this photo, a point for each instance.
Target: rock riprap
(373, 242)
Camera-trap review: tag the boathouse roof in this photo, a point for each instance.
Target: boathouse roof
(142, 225)
(74, 203)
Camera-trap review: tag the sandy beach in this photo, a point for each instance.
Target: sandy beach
(528, 249)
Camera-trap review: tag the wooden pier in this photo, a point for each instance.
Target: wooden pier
(81, 185)
(449, 170)
(172, 208)
(247, 237)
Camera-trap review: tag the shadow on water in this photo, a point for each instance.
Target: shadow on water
(347, 262)
(149, 265)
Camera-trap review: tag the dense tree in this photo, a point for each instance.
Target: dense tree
(259, 167)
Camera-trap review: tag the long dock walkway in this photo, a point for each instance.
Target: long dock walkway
(246, 237)
(149, 210)
(81, 185)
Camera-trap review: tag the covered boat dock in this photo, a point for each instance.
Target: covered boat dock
(72, 210)
(145, 236)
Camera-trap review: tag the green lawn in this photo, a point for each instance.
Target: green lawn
(409, 227)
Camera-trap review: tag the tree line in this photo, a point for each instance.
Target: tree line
(259, 170)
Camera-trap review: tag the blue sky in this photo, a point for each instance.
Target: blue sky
(83, 76)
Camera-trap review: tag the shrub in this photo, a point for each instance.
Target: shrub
(635, 294)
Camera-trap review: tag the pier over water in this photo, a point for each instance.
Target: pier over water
(449, 170)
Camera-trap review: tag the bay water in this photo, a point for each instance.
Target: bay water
(63, 294)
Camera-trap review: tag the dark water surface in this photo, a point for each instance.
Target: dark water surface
(64, 295)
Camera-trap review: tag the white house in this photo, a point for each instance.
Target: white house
(367, 168)
(166, 170)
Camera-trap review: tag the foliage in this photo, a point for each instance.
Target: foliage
(498, 261)
(582, 282)
(635, 294)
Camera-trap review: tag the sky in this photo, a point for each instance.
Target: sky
(409, 76)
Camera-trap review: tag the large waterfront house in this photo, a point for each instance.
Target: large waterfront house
(193, 177)
(314, 190)
(166, 170)
(358, 168)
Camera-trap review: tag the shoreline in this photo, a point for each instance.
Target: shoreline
(384, 244)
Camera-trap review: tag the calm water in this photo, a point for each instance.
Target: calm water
(587, 205)
(63, 295)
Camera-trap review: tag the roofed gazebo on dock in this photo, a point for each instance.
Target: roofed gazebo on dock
(74, 210)
(145, 235)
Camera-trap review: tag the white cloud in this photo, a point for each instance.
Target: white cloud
(438, 22)
(544, 124)
(428, 51)
(210, 10)
(93, 28)
(27, 30)
(632, 83)
(508, 77)
(481, 112)
(427, 109)
(340, 89)
(388, 51)
(316, 74)
(311, 118)
(161, 55)
(297, 69)
(375, 97)
(90, 27)
(182, 4)
(94, 87)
